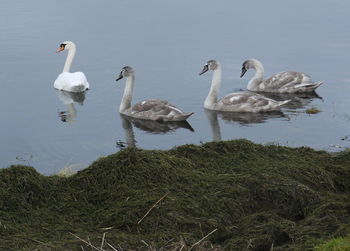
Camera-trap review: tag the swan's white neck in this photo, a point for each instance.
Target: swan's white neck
(127, 96)
(214, 124)
(212, 97)
(69, 60)
(72, 112)
(253, 84)
(129, 132)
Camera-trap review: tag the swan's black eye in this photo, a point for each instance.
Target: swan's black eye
(62, 45)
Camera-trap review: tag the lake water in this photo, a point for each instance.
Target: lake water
(167, 43)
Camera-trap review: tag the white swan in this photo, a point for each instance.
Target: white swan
(238, 101)
(152, 109)
(283, 82)
(67, 81)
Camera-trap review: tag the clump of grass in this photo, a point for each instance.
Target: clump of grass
(312, 110)
(335, 244)
(256, 197)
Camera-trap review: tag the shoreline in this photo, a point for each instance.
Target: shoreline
(255, 196)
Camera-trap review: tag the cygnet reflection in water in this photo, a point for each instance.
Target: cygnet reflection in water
(68, 99)
(158, 127)
(298, 100)
(149, 126)
(246, 118)
(243, 118)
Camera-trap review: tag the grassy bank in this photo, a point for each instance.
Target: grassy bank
(246, 196)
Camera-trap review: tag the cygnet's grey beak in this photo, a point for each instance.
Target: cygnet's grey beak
(244, 70)
(120, 76)
(205, 69)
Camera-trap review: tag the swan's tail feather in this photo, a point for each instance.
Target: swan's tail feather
(309, 87)
(183, 117)
(276, 105)
(281, 103)
(315, 85)
(187, 115)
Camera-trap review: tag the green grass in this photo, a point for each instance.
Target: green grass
(336, 244)
(255, 196)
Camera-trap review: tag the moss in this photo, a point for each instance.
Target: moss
(255, 196)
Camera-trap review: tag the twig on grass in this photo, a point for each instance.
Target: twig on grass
(202, 239)
(152, 208)
(145, 243)
(113, 247)
(103, 240)
(88, 243)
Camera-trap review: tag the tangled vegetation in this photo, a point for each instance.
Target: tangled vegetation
(233, 195)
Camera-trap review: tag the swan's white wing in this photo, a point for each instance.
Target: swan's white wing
(71, 82)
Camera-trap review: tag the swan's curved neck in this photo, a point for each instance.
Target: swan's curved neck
(258, 77)
(127, 96)
(212, 97)
(69, 60)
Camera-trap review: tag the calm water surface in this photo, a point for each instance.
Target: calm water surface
(167, 43)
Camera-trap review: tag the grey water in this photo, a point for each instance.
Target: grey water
(167, 43)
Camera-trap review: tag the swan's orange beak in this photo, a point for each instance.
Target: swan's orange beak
(60, 49)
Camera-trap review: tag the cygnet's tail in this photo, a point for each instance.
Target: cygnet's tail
(276, 106)
(309, 87)
(281, 103)
(186, 115)
(314, 86)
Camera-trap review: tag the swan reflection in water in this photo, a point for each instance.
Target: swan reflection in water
(68, 99)
(149, 126)
(298, 100)
(242, 118)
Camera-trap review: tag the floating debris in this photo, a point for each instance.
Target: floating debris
(24, 157)
(121, 144)
(312, 110)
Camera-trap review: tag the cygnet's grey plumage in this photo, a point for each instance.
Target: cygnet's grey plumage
(283, 82)
(248, 102)
(152, 109)
(238, 101)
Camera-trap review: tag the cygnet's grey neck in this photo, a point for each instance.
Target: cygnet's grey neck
(69, 60)
(253, 84)
(127, 96)
(212, 97)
